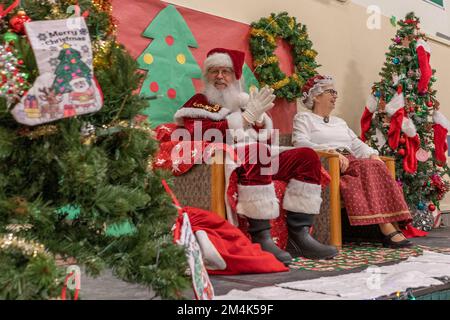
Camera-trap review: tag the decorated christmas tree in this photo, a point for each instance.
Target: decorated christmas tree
(70, 67)
(401, 119)
(170, 65)
(80, 186)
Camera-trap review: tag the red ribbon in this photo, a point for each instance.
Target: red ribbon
(10, 8)
(172, 195)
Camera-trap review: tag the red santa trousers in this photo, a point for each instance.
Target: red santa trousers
(300, 168)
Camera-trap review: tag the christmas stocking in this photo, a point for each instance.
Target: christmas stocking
(395, 110)
(66, 86)
(366, 119)
(423, 55)
(410, 159)
(440, 128)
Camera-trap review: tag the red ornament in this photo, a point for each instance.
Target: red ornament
(401, 152)
(154, 87)
(171, 93)
(402, 140)
(170, 40)
(17, 22)
(430, 104)
(431, 207)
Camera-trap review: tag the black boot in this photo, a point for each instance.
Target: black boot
(260, 232)
(301, 243)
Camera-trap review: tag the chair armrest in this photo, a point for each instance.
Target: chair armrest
(385, 159)
(326, 154)
(218, 185)
(390, 164)
(335, 197)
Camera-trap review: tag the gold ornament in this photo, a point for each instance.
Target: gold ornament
(262, 33)
(269, 60)
(310, 54)
(280, 84)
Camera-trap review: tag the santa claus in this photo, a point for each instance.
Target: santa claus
(82, 94)
(224, 111)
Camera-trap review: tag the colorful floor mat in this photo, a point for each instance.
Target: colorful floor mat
(353, 256)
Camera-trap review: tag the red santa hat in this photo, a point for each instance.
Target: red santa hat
(440, 128)
(221, 57)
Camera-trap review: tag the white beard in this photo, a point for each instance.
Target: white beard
(229, 98)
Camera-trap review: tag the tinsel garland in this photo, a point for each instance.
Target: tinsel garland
(28, 248)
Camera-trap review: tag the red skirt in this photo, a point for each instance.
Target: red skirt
(371, 195)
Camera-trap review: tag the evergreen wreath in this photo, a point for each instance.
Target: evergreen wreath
(263, 35)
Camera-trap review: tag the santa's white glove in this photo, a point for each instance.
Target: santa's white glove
(259, 102)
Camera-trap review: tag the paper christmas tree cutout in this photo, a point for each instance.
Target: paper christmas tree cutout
(169, 64)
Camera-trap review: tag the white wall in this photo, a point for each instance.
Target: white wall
(433, 18)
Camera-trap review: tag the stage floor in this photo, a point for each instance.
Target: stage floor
(108, 287)
(437, 238)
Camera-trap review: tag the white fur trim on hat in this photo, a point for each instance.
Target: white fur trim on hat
(211, 257)
(217, 60)
(258, 202)
(408, 127)
(397, 102)
(199, 113)
(439, 118)
(372, 103)
(302, 197)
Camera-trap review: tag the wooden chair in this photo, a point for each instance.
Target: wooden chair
(204, 187)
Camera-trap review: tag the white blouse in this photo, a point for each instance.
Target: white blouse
(311, 131)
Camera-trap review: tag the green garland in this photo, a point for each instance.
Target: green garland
(263, 35)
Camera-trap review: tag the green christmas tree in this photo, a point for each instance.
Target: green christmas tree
(70, 67)
(170, 65)
(409, 75)
(83, 186)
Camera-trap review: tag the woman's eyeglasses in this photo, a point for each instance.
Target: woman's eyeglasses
(331, 91)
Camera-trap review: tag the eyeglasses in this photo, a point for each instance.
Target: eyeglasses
(331, 91)
(225, 72)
